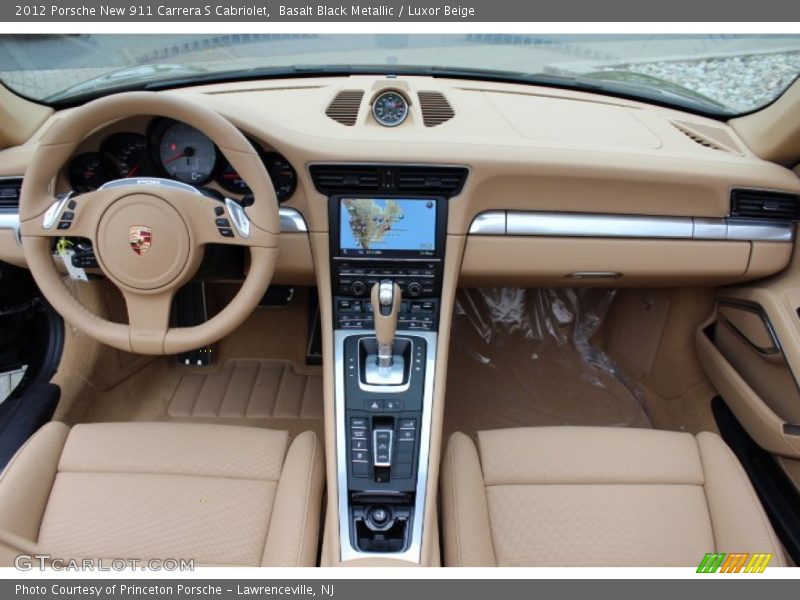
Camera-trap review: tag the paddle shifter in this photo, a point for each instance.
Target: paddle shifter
(385, 306)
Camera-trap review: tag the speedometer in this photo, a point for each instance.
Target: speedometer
(390, 109)
(186, 153)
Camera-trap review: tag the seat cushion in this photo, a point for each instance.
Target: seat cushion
(585, 496)
(217, 494)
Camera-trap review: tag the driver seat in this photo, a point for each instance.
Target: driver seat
(217, 494)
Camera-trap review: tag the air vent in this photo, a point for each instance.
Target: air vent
(332, 179)
(435, 108)
(758, 204)
(447, 181)
(388, 179)
(707, 136)
(9, 193)
(345, 106)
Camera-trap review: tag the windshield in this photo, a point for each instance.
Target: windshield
(722, 74)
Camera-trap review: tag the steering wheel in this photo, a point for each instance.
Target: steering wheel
(148, 234)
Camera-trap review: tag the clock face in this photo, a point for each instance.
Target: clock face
(390, 109)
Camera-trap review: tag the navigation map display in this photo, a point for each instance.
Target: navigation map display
(373, 226)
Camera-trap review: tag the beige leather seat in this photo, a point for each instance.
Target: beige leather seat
(218, 494)
(585, 496)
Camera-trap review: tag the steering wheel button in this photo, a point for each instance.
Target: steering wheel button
(219, 211)
(226, 232)
(222, 223)
(72, 204)
(67, 216)
(64, 225)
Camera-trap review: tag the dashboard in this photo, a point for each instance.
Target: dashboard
(542, 186)
(175, 150)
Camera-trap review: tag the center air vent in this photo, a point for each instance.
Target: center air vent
(435, 108)
(759, 204)
(388, 179)
(9, 193)
(345, 106)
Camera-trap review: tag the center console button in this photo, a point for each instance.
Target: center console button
(379, 515)
(358, 288)
(414, 289)
(360, 469)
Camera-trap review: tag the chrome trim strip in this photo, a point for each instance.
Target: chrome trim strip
(492, 222)
(710, 229)
(155, 181)
(597, 225)
(9, 220)
(292, 221)
(762, 231)
(630, 226)
(414, 552)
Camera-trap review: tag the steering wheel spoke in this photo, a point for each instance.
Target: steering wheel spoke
(226, 222)
(148, 320)
(68, 216)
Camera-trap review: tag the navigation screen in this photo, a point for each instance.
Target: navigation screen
(371, 226)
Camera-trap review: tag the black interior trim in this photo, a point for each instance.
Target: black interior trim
(23, 415)
(777, 493)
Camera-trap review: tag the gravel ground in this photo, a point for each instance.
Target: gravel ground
(742, 83)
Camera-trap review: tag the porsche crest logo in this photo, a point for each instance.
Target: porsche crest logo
(141, 239)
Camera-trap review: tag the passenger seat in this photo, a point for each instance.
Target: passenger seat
(592, 496)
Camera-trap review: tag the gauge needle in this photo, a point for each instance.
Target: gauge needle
(133, 171)
(174, 158)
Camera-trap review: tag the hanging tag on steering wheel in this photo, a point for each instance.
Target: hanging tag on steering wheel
(65, 253)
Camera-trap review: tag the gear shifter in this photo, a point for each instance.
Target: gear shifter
(385, 306)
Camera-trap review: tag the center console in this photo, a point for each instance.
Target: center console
(386, 263)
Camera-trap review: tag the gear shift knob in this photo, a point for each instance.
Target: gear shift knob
(385, 306)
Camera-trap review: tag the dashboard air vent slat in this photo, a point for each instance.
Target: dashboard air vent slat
(424, 180)
(435, 108)
(714, 138)
(345, 106)
(388, 179)
(9, 193)
(760, 204)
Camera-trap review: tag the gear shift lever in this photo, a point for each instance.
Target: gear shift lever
(385, 306)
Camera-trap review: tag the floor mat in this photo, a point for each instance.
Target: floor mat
(260, 389)
(259, 379)
(524, 358)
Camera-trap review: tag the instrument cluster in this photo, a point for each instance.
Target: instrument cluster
(174, 150)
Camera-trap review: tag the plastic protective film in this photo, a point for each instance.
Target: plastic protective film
(525, 358)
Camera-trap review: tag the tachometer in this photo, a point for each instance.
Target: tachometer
(128, 152)
(390, 109)
(88, 171)
(186, 153)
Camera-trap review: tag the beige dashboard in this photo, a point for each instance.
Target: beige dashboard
(529, 150)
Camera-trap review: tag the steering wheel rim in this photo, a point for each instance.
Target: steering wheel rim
(148, 234)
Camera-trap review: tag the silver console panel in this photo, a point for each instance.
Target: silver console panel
(347, 551)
